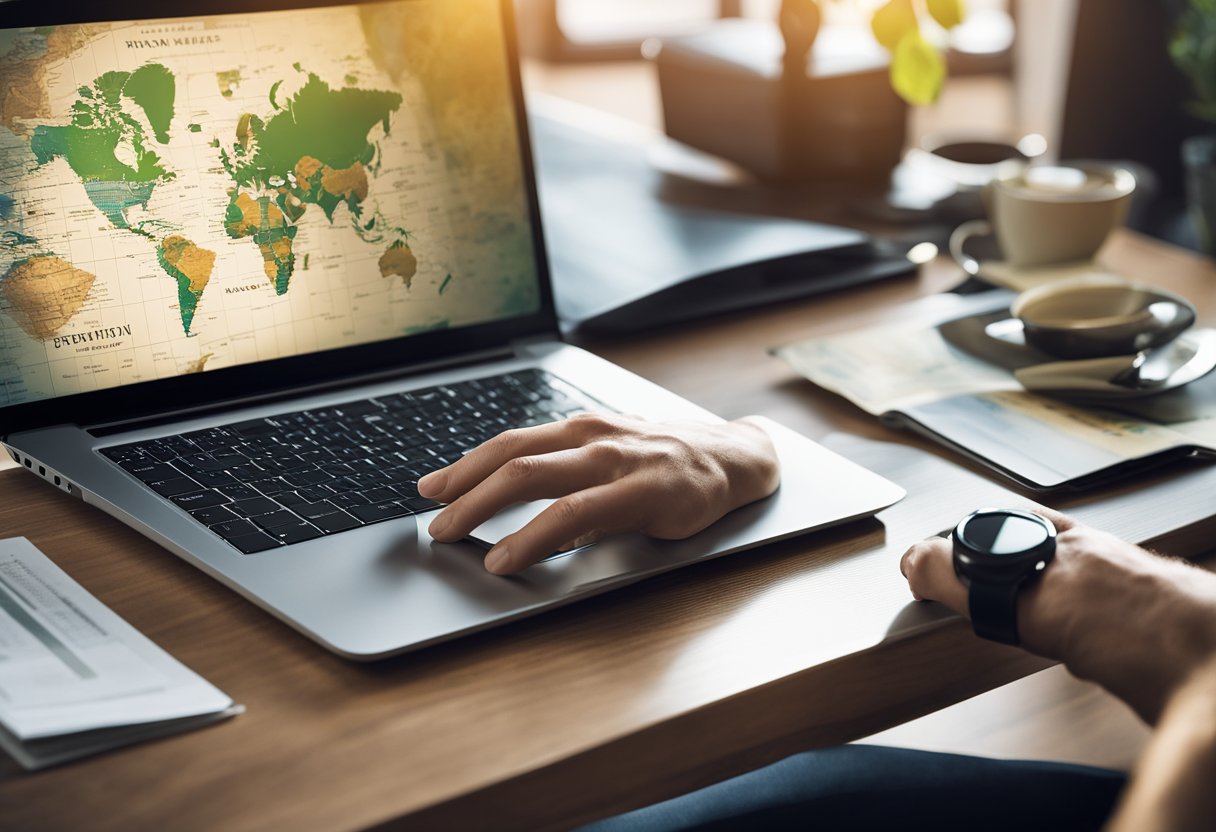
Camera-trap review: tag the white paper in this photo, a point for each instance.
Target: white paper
(909, 369)
(900, 365)
(69, 664)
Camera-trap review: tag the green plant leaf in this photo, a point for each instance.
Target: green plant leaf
(947, 13)
(893, 21)
(1193, 50)
(917, 70)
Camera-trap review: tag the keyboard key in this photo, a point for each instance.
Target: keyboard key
(150, 470)
(317, 493)
(295, 534)
(379, 511)
(349, 499)
(406, 490)
(254, 506)
(303, 479)
(420, 504)
(274, 519)
(310, 511)
(122, 453)
(247, 472)
(211, 440)
(213, 479)
(383, 494)
(211, 516)
(337, 522)
(236, 491)
(175, 486)
(256, 542)
(234, 528)
(288, 462)
(164, 453)
(199, 461)
(359, 408)
(200, 499)
(291, 498)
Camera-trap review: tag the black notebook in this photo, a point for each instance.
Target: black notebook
(625, 257)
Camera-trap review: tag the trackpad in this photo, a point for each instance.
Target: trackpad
(508, 521)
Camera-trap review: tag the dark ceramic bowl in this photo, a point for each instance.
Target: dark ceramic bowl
(1099, 315)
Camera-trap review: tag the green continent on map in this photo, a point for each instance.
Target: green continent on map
(324, 186)
(260, 219)
(100, 126)
(327, 124)
(153, 88)
(44, 293)
(315, 149)
(191, 267)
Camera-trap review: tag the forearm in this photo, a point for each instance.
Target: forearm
(1173, 784)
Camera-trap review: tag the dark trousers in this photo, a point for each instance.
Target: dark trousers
(870, 787)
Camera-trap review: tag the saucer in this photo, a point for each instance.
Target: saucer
(1188, 358)
(996, 339)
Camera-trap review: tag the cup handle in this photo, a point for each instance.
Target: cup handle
(959, 238)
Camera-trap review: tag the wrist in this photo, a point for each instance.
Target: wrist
(997, 553)
(1138, 624)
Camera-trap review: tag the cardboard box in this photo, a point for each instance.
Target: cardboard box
(724, 91)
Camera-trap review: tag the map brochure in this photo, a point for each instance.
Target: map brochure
(925, 373)
(75, 679)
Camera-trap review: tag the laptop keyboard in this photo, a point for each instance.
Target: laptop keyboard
(264, 483)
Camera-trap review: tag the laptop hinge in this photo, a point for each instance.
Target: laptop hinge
(152, 420)
(527, 346)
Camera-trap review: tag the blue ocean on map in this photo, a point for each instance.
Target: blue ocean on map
(114, 198)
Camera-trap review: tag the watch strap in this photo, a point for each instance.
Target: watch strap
(994, 610)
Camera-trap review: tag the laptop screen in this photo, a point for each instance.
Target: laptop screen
(194, 194)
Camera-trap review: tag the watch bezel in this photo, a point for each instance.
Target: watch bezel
(972, 563)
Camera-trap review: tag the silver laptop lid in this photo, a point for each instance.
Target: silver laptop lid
(229, 203)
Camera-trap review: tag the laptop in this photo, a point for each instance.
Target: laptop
(260, 271)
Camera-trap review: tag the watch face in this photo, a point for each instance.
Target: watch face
(1003, 534)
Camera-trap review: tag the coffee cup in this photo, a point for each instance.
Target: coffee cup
(1048, 216)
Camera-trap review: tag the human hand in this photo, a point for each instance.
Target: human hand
(608, 473)
(1137, 623)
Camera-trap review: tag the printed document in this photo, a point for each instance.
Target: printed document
(70, 666)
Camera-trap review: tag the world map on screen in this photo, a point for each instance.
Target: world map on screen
(186, 195)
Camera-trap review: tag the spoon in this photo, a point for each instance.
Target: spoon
(1187, 358)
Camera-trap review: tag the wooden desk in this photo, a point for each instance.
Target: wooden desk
(609, 704)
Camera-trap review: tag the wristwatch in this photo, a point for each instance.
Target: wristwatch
(997, 551)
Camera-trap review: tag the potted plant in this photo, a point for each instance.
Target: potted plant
(918, 69)
(1193, 49)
